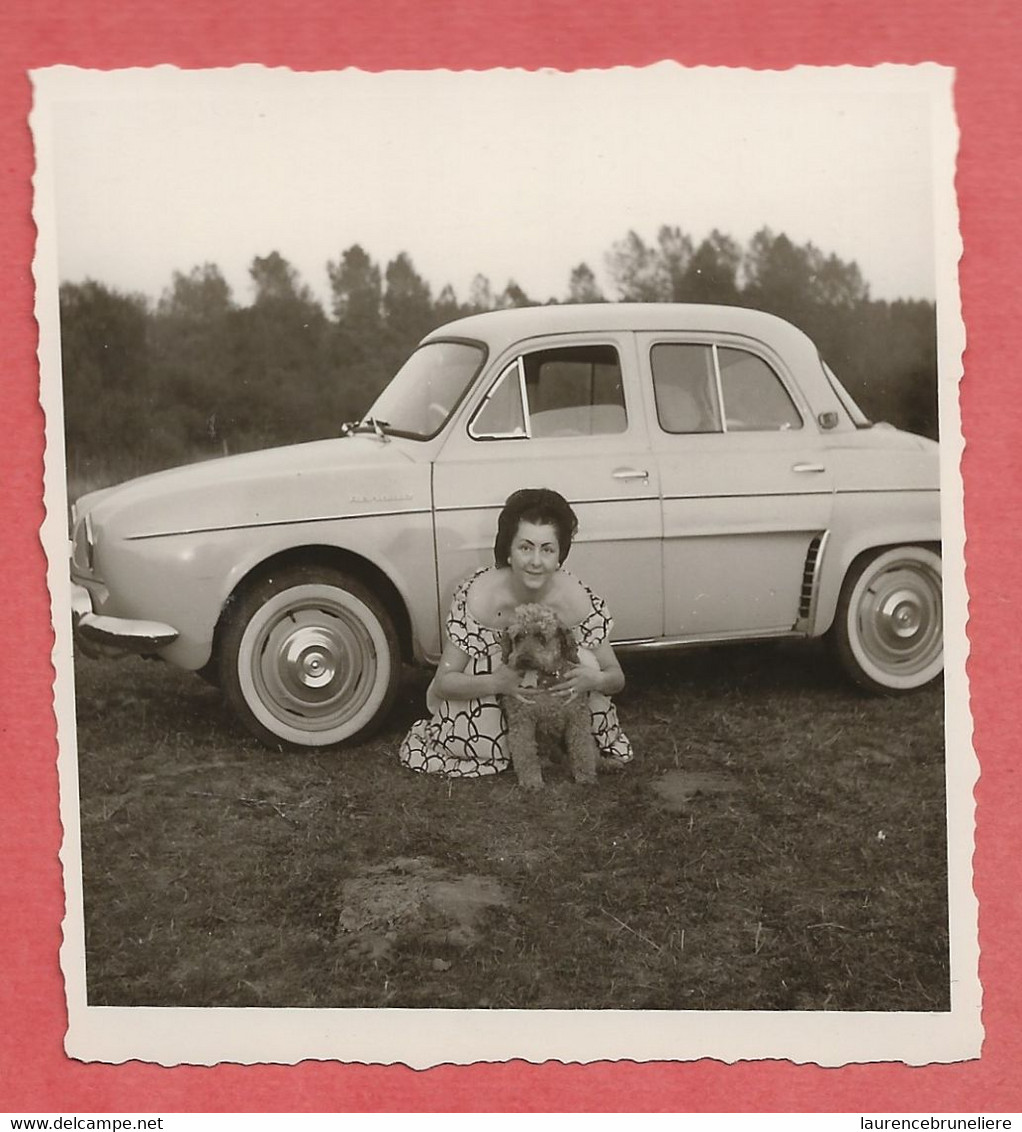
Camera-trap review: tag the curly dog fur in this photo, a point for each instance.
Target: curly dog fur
(539, 647)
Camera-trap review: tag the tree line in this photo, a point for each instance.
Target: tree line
(195, 374)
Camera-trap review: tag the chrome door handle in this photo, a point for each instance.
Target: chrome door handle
(630, 474)
(808, 468)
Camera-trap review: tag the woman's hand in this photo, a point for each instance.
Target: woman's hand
(452, 682)
(504, 681)
(579, 680)
(597, 671)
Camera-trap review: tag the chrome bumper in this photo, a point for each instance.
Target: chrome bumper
(114, 636)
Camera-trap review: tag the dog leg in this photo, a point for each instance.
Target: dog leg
(524, 751)
(582, 752)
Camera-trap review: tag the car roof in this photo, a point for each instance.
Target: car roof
(502, 328)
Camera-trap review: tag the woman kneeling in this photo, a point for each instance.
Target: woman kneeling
(466, 736)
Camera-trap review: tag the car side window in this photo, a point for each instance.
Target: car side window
(501, 416)
(685, 387)
(575, 391)
(754, 398)
(569, 391)
(691, 381)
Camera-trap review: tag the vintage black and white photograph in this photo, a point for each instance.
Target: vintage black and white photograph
(506, 556)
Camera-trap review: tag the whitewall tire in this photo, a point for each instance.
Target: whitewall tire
(310, 658)
(889, 628)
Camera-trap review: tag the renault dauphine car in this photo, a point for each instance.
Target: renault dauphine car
(727, 487)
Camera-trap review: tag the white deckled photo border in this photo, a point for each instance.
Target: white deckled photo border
(422, 1038)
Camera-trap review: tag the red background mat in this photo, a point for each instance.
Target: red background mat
(983, 42)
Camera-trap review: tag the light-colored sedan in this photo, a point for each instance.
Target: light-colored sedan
(727, 488)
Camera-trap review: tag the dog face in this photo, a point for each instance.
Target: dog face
(537, 641)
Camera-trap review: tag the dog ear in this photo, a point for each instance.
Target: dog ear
(568, 647)
(505, 645)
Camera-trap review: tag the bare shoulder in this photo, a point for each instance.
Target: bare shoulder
(486, 595)
(572, 600)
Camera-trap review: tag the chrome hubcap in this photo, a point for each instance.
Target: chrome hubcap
(899, 618)
(314, 665)
(309, 659)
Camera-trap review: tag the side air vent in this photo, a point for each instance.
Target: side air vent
(810, 581)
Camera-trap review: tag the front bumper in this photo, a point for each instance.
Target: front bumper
(114, 636)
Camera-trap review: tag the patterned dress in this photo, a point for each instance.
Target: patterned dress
(468, 738)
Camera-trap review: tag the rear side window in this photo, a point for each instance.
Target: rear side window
(754, 398)
(692, 382)
(569, 391)
(685, 387)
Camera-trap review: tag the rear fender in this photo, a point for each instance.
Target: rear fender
(838, 559)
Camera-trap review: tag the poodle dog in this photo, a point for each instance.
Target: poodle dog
(539, 647)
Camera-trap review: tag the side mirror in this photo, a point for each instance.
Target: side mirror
(828, 419)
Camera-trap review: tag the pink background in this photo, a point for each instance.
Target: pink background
(982, 41)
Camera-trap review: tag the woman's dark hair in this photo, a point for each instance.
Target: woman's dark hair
(534, 505)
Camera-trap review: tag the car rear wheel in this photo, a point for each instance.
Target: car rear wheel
(309, 658)
(889, 630)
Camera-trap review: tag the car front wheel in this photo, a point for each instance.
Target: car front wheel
(889, 630)
(309, 658)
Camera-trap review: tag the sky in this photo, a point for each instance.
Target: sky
(512, 174)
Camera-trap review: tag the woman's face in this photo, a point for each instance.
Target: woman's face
(535, 554)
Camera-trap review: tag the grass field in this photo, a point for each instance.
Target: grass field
(779, 844)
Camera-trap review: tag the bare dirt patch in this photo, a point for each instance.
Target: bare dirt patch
(413, 895)
(676, 789)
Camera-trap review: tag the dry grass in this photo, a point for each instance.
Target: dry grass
(779, 845)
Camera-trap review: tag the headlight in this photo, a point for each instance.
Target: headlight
(83, 544)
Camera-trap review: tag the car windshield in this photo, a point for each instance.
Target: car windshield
(427, 389)
(859, 418)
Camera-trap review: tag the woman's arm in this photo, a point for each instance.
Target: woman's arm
(452, 682)
(608, 678)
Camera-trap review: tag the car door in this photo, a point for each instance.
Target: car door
(747, 488)
(566, 413)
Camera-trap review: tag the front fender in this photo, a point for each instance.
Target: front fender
(186, 579)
